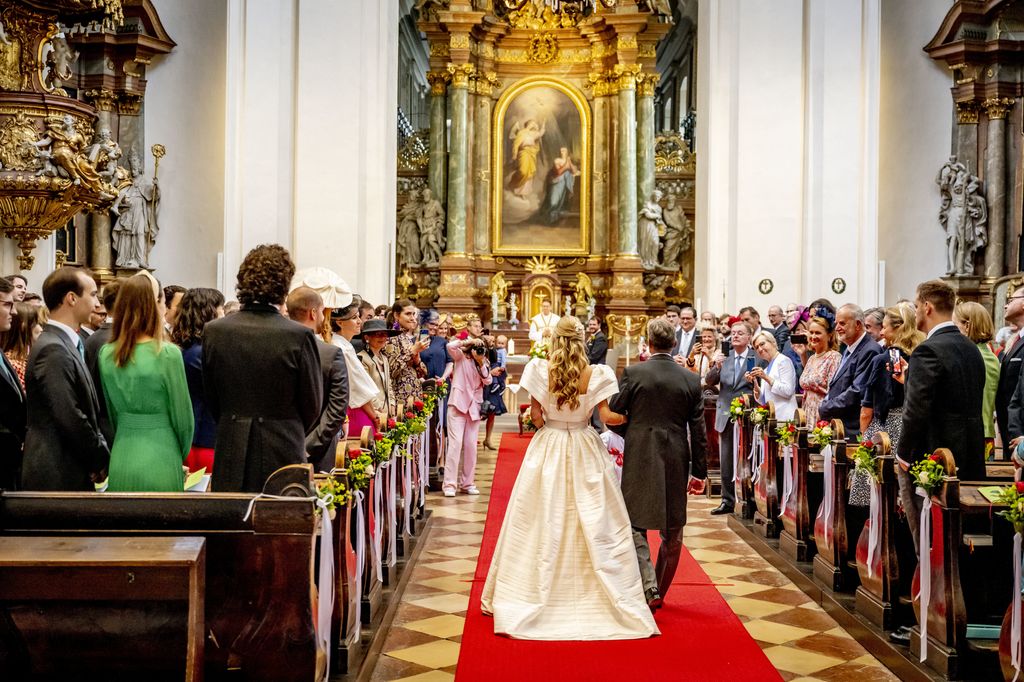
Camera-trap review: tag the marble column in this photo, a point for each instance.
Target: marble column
(438, 135)
(645, 136)
(966, 140)
(483, 106)
(627, 194)
(599, 172)
(457, 158)
(995, 188)
(100, 249)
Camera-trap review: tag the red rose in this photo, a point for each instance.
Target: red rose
(378, 436)
(1019, 485)
(409, 415)
(822, 424)
(392, 423)
(353, 453)
(792, 429)
(418, 404)
(936, 458)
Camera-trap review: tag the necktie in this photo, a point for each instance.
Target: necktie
(739, 370)
(846, 354)
(81, 349)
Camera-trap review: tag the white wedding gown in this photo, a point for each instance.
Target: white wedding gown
(565, 567)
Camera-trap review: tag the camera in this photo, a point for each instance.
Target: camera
(477, 350)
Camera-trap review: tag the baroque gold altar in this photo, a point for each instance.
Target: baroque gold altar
(542, 169)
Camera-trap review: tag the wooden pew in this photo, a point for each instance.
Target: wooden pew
(259, 605)
(830, 533)
(745, 504)
(46, 583)
(797, 537)
(946, 619)
(879, 587)
(767, 484)
(714, 486)
(372, 587)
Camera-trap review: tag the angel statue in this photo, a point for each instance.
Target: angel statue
(583, 289)
(135, 231)
(651, 226)
(59, 59)
(104, 154)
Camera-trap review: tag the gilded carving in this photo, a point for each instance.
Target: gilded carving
(438, 49)
(626, 42)
(601, 83)
(517, 56)
(997, 107)
(646, 84)
(414, 154)
(460, 74)
(459, 41)
(484, 82)
(626, 75)
(967, 112)
(543, 48)
(18, 136)
(647, 51)
(438, 81)
(129, 103)
(540, 266)
(672, 154)
(102, 99)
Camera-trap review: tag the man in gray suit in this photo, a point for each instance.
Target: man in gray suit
(666, 446)
(732, 374)
(64, 448)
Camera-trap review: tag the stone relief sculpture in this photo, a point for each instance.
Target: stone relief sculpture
(650, 228)
(431, 224)
(136, 228)
(409, 232)
(963, 215)
(59, 58)
(62, 153)
(104, 155)
(678, 234)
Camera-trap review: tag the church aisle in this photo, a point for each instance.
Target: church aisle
(797, 636)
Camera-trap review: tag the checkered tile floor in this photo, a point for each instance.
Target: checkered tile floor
(800, 639)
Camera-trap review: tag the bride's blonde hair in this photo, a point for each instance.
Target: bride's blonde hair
(567, 360)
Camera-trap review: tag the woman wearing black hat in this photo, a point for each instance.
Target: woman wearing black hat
(375, 336)
(362, 391)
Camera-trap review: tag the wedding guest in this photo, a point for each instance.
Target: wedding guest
(774, 384)
(34, 300)
(795, 347)
(94, 344)
(362, 391)
(975, 323)
(172, 299)
(820, 304)
(493, 394)
(708, 318)
(444, 326)
(65, 449)
(231, 307)
(435, 356)
(26, 326)
(1011, 361)
(380, 312)
(147, 396)
(12, 390)
(262, 421)
(197, 308)
(873, 324)
(821, 360)
(20, 287)
(846, 388)
(99, 314)
(470, 376)
(703, 354)
(375, 335)
(403, 353)
(753, 319)
(687, 336)
(306, 307)
(597, 342)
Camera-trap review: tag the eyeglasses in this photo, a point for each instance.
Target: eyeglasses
(1013, 298)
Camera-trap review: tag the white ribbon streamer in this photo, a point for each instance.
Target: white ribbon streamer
(755, 454)
(407, 492)
(393, 507)
(924, 560)
(325, 584)
(735, 452)
(875, 521)
(828, 498)
(1016, 613)
(788, 472)
(360, 548)
(376, 542)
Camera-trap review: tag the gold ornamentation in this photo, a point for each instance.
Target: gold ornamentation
(405, 281)
(459, 41)
(583, 288)
(539, 17)
(625, 75)
(543, 48)
(997, 107)
(967, 112)
(17, 137)
(568, 56)
(102, 99)
(680, 283)
(484, 82)
(630, 326)
(414, 154)
(439, 49)
(626, 42)
(460, 74)
(540, 266)
(601, 83)
(129, 103)
(648, 51)
(672, 155)
(483, 176)
(438, 81)
(646, 84)
(60, 259)
(498, 286)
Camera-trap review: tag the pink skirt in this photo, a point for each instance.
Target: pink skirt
(357, 419)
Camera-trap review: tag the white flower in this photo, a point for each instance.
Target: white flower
(923, 477)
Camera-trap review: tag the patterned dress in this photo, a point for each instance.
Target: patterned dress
(817, 375)
(405, 380)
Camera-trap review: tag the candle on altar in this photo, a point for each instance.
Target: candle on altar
(511, 346)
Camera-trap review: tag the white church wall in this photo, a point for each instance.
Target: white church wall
(185, 112)
(915, 138)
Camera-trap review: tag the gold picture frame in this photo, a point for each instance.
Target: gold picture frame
(544, 196)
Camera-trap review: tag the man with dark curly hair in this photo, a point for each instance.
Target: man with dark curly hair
(261, 376)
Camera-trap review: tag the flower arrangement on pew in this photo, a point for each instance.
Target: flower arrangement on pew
(821, 435)
(928, 474)
(736, 409)
(360, 469)
(383, 444)
(866, 460)
(787, 433)
(758, 416)
(333, 493)
(1013, 497)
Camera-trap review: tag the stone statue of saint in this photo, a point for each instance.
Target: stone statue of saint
(650, 227)
(135, 231)
(963, 215)
(409, 232)
(678, 233)
(104, 155)
(431, 224)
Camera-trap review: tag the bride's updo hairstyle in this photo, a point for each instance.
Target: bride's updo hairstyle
(567, 360)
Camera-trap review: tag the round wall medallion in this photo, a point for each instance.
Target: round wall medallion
(766, 286)
(838, 285)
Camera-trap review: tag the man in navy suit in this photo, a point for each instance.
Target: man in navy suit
(12, 401)
(1010, 372)
(846, 390)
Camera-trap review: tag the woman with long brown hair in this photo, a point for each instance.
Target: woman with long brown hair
(17, 343)
(144, 384)
(567, 510)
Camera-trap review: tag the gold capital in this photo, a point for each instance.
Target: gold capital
(438, 81)
(626, 75)
(484, 82)
(967, 112)
(646, 84)
(460, 74)
(997, 107)
(102, 99)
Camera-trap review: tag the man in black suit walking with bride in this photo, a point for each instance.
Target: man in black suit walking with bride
(665, 456)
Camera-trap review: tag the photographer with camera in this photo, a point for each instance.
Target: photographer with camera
(472, 372)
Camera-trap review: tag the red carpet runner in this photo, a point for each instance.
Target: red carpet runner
(702, 639)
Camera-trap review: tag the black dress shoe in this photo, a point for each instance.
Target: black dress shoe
(901, 636)
(722, 509)
(653, 598)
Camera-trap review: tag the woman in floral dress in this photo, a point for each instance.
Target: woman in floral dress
(821, 361)
(403, 353)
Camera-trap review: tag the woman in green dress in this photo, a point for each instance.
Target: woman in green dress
(144, 384)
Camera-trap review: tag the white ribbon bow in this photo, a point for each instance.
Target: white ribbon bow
(828, 498)
(735, 452)
(325, 584)
(925, 562)
(376, 541)
(788, 463)
(756, 453)
(407, 487)
(360, 548)
(875, 523)
(393, 507)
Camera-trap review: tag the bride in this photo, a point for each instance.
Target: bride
(565, 566)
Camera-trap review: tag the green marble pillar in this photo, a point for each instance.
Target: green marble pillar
(482, 164)
(627, 194)
(599, 174)
(438, 135)
(458, 155)
(645, 142)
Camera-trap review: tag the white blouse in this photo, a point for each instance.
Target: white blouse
(361, 388)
